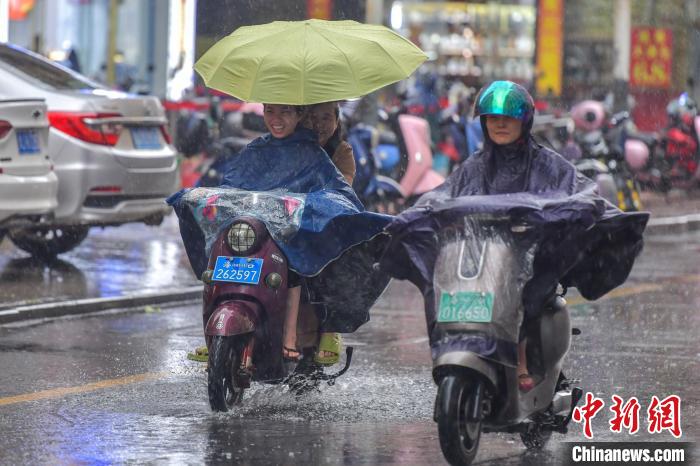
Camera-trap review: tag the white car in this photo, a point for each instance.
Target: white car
(28, 185)
(111, 151)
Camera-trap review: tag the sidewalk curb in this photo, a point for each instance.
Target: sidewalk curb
(678, 224)
(83, 306)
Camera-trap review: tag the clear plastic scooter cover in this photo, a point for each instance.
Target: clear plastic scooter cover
(215, 209)
(481, 258)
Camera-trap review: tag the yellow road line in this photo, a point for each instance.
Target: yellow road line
(60, 392)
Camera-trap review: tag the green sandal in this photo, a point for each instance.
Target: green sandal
(329, 343)
(200, 354)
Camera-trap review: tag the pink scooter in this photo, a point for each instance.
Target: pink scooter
(414, 170)
(419, 177)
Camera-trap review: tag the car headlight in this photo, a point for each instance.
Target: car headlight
(241, 237)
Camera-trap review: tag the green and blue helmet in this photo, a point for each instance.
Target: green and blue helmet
(508, 99)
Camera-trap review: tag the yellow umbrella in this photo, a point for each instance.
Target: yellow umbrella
(307, 62)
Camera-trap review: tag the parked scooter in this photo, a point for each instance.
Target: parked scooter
(558, 134)
(245, 297)
(462, 136)
(681, 143)
(590, 122)
(377, 192)
(413, 167)
(641, 152)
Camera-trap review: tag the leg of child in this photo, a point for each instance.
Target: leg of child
(525, 381)
(289, 338)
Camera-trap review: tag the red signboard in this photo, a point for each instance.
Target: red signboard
(319, 9)
(651, 58)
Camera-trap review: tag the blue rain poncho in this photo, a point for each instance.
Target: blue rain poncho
(336, 240)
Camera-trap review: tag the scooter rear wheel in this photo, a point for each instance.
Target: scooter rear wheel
(459, 436)
(224, 362)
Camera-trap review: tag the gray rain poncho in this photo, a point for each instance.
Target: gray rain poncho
(588, 243)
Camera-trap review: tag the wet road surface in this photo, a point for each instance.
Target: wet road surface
(111, 262)
(117, 388)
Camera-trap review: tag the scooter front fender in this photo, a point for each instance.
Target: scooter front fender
(233, 318)
(464, 359)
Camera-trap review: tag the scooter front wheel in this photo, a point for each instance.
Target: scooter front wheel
(224, 363)
(458, 415)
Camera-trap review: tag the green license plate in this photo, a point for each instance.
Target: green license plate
(466, 306)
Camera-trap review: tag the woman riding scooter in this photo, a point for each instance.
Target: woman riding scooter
(512, 162)
(488, 250)
(506, 162)
(289, 158)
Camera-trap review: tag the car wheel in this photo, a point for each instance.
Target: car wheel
(153, 220)
(47, 243)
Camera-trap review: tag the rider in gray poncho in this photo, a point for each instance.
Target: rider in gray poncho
(513, 169)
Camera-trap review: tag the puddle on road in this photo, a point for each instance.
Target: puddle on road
(354, 398)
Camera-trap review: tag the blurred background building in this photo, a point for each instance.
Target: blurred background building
(563, 50)
(142, 46)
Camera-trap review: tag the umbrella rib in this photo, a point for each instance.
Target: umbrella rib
(263, 58)
(373, 41)
(303, 67)
(355, 81)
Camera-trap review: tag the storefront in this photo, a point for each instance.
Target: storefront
(472, 42)
(663, 62)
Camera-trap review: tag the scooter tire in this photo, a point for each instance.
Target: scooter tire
(459, 437)
(224, 360)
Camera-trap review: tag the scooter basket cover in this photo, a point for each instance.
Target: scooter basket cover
(481, 260)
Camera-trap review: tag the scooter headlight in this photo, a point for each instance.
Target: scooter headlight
(241, 237)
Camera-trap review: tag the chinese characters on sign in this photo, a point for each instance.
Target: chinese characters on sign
(661, 414)
(651, 58)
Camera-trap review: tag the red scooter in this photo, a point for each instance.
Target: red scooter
(245, 296)
(682, 144)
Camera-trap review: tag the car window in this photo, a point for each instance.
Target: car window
(54, 77)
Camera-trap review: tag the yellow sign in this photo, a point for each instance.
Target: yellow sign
(549, 48)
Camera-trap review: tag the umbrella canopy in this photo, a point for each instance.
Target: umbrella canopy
(307, 62)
